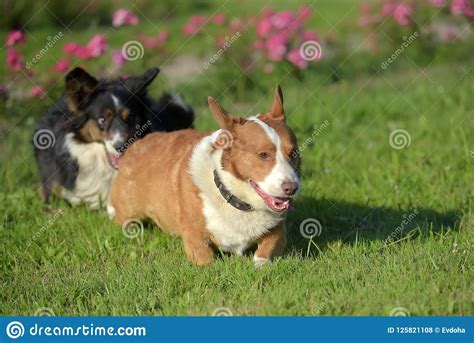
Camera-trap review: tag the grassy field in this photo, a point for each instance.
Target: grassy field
(396, 221)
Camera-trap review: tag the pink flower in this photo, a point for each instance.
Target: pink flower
(218, 19)
(295, 58)
(462, 7)
(283, 19)
(71, 48)
(37, 92)
(367, 18)
(438, 3)
(304, 12)
(267, 13)
(14, 59)
(189, 30)
(194, 25)
(388, 7)
(309, 35)
(276, 48)
(198, 20)
(118, 59)
(236, 25)
(365, 8)
(264, 27)
(458, 6)
(402, 14)
(124, 17)
(62, 66)
(160, 40)
(15, 37)
(469, 12)
(77, 50)
(97, 45)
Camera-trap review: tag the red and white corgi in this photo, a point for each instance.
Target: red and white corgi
(226, 189)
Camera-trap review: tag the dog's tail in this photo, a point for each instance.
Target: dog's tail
(171, 113)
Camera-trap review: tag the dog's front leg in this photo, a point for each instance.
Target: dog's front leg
(198, 247)
(271, 245)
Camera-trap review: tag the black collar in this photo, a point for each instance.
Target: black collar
(229, 197)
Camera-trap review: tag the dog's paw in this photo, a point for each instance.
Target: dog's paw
(260, 261)
(111, 211)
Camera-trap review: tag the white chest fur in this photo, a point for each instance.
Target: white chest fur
(95, 176)
(232, 229)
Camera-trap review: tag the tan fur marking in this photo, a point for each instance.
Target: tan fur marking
(125, 114)
(90, 132)
(108, 113)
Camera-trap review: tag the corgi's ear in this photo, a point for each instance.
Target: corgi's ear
(139, 84)
(277, 112)
(80, 87)
(223, 119)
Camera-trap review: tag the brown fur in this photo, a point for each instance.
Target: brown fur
(90, 132)
(154, 180)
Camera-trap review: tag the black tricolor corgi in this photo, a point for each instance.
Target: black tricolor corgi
(79, 140)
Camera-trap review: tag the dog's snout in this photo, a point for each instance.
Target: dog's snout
(118, 145)
(289, 187)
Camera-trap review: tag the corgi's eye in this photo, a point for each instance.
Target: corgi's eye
(263, 155)
(101, 121)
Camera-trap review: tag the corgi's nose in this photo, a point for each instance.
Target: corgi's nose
(289, 187)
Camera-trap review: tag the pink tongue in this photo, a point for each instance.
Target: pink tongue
(114, 160)
(274, 203)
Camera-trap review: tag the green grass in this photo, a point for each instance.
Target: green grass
(354, 183)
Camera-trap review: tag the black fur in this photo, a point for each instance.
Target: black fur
(84, 99)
